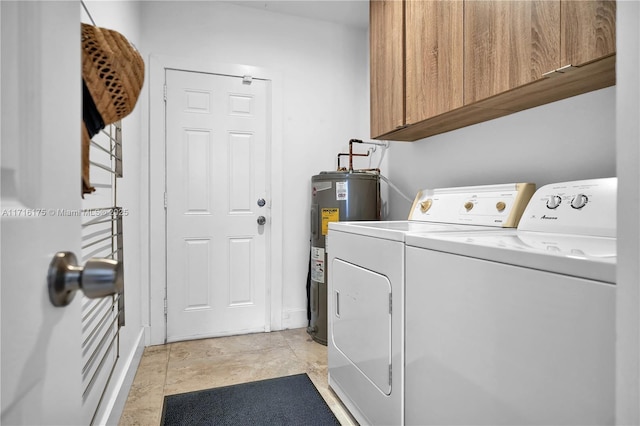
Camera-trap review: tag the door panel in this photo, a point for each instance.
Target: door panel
(41, 117)
(216, 171)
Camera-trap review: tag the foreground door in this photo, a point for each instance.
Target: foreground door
(216, 196)
(41, 116)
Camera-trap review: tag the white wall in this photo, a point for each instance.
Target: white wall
(124, 18)
(324, 68)
(628, 159)
(566, 140)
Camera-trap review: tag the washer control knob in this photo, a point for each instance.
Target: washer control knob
(554, 201)
(501, 205)
(579, 201)
(468, 205)
(426, 205)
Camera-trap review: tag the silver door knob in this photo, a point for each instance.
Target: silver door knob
(262, 220)
(98, 278)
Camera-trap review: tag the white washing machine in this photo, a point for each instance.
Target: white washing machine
(366, 290)
(516, 327)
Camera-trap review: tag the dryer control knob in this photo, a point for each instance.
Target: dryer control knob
(554, 201)
(579, 201)
(501, 205)
(468, 205)
(426, 205)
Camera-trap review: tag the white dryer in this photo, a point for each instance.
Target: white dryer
(516, 327)
(366, 290)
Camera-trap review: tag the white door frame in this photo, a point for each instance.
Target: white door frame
(156, 231)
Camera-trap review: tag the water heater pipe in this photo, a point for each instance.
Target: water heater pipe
(384, 145)
(351, 154)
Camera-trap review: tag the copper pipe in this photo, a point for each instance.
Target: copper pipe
(351, 155)
(351, 152)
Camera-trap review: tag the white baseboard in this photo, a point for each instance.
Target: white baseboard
(112, 407)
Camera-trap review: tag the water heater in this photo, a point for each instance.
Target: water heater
(335, 196)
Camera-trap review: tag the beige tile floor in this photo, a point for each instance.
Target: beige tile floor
(202, 364)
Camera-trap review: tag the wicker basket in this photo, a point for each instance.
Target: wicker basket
(113, 72)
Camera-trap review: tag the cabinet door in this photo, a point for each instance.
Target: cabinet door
(508, 44)
(386, 30)
(434, 58)
(588, 31)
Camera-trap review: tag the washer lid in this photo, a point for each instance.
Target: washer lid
(396, 230)
(580, 256)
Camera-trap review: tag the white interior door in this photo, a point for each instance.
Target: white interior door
(41, 117)
(216, 174)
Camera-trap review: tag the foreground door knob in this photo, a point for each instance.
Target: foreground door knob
(262, 220)
(98, 278)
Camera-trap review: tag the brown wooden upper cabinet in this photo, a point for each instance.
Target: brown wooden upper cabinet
(508, 44)
(463, 62)
(387, 65)
(588, 31)
(434, 58)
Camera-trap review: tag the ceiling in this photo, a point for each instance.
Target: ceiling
(353, 13)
